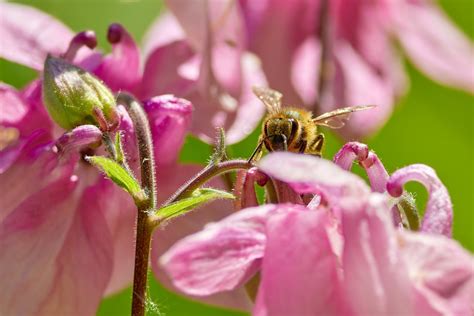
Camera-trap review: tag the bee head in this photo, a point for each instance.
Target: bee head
(279, 133)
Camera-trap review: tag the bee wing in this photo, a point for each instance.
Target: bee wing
(271, 98)
(338, 118)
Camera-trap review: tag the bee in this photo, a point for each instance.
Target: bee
(294, 129)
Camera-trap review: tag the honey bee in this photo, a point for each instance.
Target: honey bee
(294, 129)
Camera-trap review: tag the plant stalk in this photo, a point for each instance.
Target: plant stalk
(144, 215)
(205, 175)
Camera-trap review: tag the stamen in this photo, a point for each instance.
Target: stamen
(438, 217)
(85, 38)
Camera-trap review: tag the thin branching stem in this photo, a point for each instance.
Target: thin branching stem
(207, 174)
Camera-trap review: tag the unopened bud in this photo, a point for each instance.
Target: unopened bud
(75, 97)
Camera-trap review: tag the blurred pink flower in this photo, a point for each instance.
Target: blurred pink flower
(198, 53)
(66, 233)
(366, 68)
(342, 256)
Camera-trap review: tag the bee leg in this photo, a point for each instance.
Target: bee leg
(303, 145)
(285, 143)
(316, 147)
(258, 150)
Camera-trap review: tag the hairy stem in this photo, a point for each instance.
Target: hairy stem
(145, 144)
(144, 220)
(205, 175)
(142, 254)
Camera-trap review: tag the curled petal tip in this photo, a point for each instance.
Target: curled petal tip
(439, 210)
(367, 159)
(394, 189)
(349, 152)
(85, 38)
(115, 33)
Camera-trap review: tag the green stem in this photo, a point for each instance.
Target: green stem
(205, 175)
(145, 144)
(144, 220)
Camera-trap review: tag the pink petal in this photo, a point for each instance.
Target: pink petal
(376, 172)
(83, 266)
(375, 282)
(250, 110)
(222, 256)
(365, 26)
(27, 35)
(169, 179)
(299, 269)
(164, 30)
(285, 194)
(12, 106)
(434, 43)
(120, 69)
(222, 17)
(356, 83)
(37, 117)
(192, 17)
(120, 212)
(307, 174)
(275, 30)
(31, 237)
(169, 118)
(22, 148)
(79, 138)
(438, 217)
(161, 73)
(306, 56)
(350, 152)
(441, 270)
(29, 168)
(129, 140)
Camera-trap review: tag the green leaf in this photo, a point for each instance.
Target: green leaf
(119, 175)
(199, 197)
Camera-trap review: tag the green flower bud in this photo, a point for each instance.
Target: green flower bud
(75, 97)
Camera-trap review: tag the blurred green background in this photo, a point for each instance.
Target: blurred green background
(432, 124)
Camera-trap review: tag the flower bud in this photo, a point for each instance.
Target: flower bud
(75, 97)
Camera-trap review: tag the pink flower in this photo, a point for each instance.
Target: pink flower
(342, 256)
(198, 53)
(363, 66)
(66, 233)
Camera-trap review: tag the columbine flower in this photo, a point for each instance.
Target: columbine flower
(361, 64)
(66, 233)
(198, 53)
(339, 255)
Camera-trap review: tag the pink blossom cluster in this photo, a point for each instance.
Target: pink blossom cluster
(64, 246)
